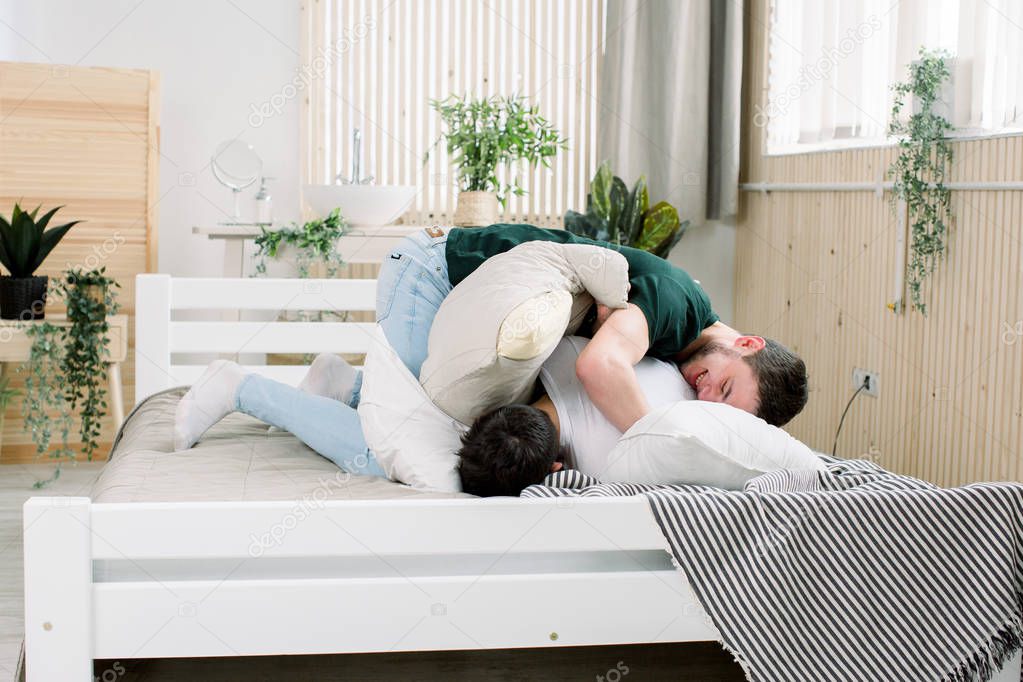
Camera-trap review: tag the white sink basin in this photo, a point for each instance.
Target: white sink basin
(361, 204)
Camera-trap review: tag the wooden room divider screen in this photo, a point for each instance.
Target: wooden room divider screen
(86, 138)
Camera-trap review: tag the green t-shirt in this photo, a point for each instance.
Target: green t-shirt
(675, 306)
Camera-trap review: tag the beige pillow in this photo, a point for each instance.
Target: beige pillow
(498, 326)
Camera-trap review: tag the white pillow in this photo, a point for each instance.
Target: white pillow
(414, 441)
(497, 327)
(704, 443)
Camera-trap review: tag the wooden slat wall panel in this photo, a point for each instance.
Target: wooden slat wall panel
(390, 57)
(816, 270)
(86, 138)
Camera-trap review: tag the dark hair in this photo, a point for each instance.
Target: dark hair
(781, 382)
(506, 450)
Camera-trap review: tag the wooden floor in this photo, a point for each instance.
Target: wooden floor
(15, 487)
(704, 661)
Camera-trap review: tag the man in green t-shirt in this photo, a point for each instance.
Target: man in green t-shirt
(668, 317)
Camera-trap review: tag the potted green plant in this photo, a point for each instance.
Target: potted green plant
(485, 133)
(24, 245)
(312, 242)
(620, 216)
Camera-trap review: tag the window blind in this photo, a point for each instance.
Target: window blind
(375, 64)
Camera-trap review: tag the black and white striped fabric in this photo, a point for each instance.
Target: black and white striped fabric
(854, 573)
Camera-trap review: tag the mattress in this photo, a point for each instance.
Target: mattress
(240, 458)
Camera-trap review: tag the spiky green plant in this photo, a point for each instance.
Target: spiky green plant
(25, 242)
(620, 216)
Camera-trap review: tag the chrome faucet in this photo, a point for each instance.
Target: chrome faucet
(356, 176)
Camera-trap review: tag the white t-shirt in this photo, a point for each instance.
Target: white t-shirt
(585, 431)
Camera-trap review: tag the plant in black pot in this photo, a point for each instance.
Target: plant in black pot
(24, 245)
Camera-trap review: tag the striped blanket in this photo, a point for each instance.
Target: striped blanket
(854, 573)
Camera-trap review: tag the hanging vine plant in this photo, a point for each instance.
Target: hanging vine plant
(89, 295)
(67, 366)
(919, 171)
(44, 407)
(313, 242)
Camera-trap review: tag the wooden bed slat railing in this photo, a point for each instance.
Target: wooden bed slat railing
(200, 293)
(270, 337)
(159, 336)
(371, 527)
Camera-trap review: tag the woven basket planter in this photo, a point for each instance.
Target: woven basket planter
(476, 209)
(23, 298)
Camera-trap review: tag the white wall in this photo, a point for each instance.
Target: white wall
(216, 59)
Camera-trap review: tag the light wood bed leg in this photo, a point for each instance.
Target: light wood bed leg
(58, 590)
(116, 393)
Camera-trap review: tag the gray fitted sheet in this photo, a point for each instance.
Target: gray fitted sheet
(238, 459)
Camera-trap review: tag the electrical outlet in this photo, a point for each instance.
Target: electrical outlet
(861, 375)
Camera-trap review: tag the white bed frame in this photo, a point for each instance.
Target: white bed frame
(188, 579)
(145, 580)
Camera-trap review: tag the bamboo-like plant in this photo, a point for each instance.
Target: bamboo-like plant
(919, 170)
(485, 133)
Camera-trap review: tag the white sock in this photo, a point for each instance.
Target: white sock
(210, 399)
(330, 376)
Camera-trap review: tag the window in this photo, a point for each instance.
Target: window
(831, 66)
(375, 64)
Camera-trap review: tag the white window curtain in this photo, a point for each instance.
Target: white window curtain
(832, 64)
(375, 64)
(990, 43)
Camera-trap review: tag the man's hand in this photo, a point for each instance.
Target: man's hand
(606, 367)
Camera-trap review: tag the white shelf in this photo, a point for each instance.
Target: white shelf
(368, 244)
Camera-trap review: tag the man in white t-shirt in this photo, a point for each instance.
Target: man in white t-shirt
(512, 447)
(504, 451)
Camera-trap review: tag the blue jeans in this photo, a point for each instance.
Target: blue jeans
(412, 284)
(328, 426)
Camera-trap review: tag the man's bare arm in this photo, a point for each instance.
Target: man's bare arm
(606, 367)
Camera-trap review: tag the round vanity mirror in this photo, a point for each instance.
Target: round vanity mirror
(236, 165)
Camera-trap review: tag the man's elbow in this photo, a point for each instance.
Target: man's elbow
(595, 369)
